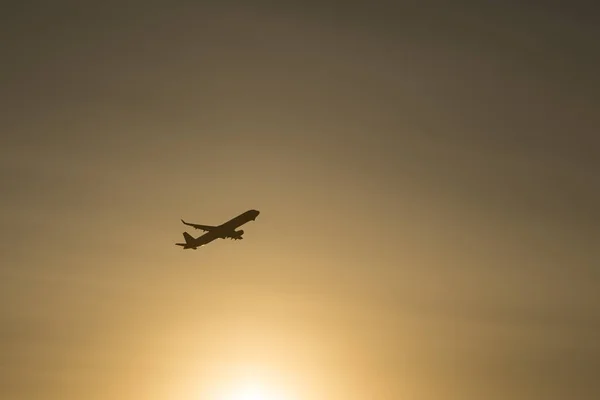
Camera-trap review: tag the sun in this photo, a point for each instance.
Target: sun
(240, 383)
(250, 392)
(253, 390)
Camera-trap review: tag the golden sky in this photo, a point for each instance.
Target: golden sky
(427, 178)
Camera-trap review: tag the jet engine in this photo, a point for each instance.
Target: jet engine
(237, 235)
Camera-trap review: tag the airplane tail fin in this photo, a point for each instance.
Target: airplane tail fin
(188, 241)
(188, 238)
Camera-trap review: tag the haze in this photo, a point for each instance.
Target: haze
(427, 178)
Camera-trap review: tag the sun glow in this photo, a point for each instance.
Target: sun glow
(252, 391)
(251, 388)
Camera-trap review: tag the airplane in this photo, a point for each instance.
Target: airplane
(226, 230)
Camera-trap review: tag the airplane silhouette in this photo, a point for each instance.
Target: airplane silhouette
(226, 230)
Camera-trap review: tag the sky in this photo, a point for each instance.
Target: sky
(426, 172)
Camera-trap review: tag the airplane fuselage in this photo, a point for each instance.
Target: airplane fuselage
(225, 230)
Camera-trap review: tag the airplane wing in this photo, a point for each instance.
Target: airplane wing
(205, 228)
